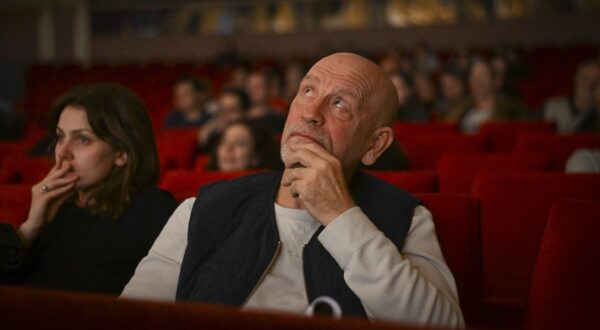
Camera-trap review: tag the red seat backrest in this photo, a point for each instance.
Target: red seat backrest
(411, 181)
(424, 151)
(561, 146)
(15, 200)
(514, 211)
(456, 218)
(185, 184)
(26, 169)
(565, 287)
(503, 135)
(456, 172)
(176, 148)
(408, 129)
(69, 311)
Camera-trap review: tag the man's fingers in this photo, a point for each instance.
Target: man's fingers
(301, 158)
(291, 175)
(314, 147)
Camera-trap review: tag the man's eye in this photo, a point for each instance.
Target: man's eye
(339, 104)
(308, 91)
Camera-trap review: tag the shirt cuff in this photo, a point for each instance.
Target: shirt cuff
(346, 233)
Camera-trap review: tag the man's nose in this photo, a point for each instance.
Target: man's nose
(313, 113)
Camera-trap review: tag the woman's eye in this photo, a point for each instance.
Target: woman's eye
(84, 140)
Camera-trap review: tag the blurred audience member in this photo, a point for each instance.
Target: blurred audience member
(239, 75)
(584, 161)
(245, 145)
(98, 211)
(293, 74)
(426, 92)
(257, 87)
(507, 70)
(408, 109)
(575, 113)
(460, 59)
(232, 105)
(190, 99)
(275, 86)
(394, 61)
(453, 91)
(426, 60)
(484, 104)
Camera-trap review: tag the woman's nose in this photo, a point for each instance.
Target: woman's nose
(63, 150)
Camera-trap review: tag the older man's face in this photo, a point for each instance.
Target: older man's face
(331, 109)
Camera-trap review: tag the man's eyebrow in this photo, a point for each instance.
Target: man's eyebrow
(309, 77)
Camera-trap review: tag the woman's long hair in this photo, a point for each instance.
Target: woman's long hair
(118, 117)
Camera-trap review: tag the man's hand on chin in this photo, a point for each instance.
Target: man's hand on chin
(316, 179)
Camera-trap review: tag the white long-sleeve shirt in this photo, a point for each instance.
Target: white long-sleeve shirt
(413, 286)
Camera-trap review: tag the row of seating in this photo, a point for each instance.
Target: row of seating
(424, 144)
(561, 293)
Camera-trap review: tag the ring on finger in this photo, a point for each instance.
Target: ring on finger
(45, 188)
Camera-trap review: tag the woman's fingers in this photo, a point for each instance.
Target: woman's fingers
(56, 183)
(59, 190)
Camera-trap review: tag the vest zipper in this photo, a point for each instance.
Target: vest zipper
(264, 273)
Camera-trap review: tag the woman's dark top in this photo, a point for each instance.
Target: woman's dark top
(80, 252)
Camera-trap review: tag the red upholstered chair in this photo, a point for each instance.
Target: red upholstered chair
(15, 200)
(25, 308)
(25, 169)
(503, 135)
(456, 218)
(565, 288)
(514, 212)
(176, 148)
(561, 146)
(408, 129)
(184, 183)
(201, 162)
(456, 172)
(424, 151)
(411, 181)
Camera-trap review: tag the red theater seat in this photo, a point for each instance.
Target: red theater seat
(411, 181)
(456, 218)
(25, 169)
(184, 184)
(407, 129)
(15, 200)
(424, 151)
(42, 309)
(503, 135)
(514, 212)
(561, 146)
(565, 288)
(176, 148)
(456, 172)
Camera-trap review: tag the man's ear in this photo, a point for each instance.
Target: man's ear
(382, 138)
(121, 158)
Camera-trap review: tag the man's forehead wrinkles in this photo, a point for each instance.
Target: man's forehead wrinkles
(351, 82)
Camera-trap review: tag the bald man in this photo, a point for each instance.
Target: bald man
(320, 228)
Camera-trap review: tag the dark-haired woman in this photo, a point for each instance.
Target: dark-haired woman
(97, 212)
(245, 145)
